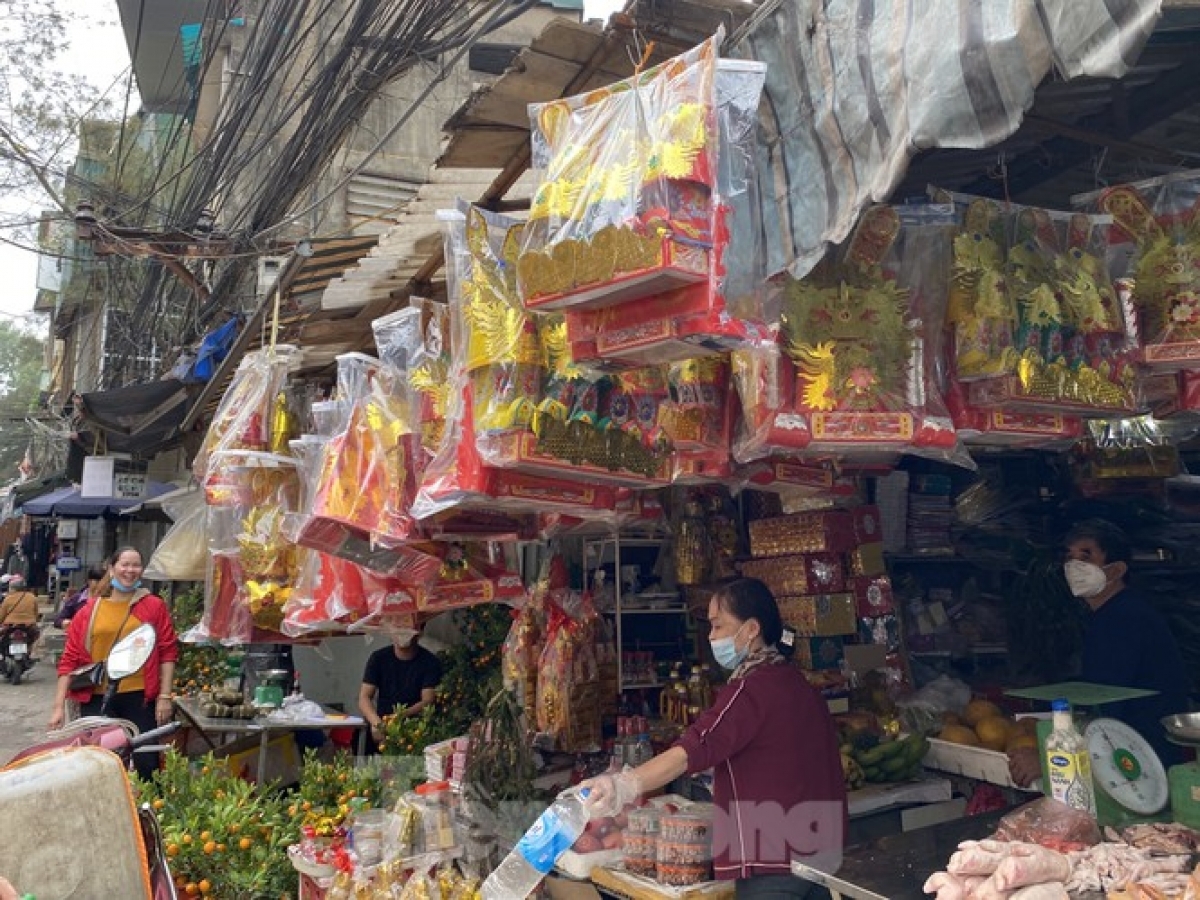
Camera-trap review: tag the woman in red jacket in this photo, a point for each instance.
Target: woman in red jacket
(119, 606)
(772, 746)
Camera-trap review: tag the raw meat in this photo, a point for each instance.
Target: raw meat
(977, 858)
(1053, 890)
(1109, 866)
(989, 891)
(946, 886)
(1029, 864)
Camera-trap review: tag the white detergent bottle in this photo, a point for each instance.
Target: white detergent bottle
(1068, 764)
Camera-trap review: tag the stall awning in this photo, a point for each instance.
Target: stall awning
(137, 418)
(67, 502)
(29, 490)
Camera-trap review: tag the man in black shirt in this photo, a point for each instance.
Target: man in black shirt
(1127, 642)
(400, 680)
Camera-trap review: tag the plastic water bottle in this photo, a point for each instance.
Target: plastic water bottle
(535, 854)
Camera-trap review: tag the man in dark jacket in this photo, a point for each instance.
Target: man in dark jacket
(1127, 643)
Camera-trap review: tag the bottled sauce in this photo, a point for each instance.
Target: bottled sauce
(1068, 764)
(535, 854)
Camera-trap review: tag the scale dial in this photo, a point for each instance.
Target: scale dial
(1125, 767)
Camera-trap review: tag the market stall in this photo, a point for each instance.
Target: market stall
(616, 410)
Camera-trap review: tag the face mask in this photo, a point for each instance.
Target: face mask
(726, 652)
(404, 637)
(119, 585)
(1085, 579)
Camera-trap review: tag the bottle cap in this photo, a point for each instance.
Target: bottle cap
(1060, 705)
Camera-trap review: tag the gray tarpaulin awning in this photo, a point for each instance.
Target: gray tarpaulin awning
(855, 88)
(139, 417)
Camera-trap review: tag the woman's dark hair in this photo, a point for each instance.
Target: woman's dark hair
(749, 598)
(95, 573)
(1111, 540)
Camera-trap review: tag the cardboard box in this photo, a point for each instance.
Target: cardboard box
(825, 615)
(883, 631)
(872, 595)
(819, 652)
(801, 575)
(823, 531)
(866, 559)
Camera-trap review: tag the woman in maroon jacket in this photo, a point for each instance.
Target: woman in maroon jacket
(772, 746)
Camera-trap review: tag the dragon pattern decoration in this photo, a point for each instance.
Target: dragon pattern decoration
(844, 327)
(1166, 274)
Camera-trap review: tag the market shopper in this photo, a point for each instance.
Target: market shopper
(79, 599)
(20, 607)
(772, 745)
(120, 605)
(399, 679)
(1127, 642)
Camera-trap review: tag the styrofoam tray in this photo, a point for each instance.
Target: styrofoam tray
(580, 865)
(972, 762)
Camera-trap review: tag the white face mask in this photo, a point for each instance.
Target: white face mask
(404, 637)
(1085, 579)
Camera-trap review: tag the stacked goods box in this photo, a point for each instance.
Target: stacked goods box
(825, 615)
(822, 531)
(799, 575)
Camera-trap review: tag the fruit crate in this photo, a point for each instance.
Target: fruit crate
(971, 762)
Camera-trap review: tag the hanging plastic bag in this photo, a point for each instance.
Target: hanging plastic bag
(243, 420)
(1156, 227)
(182, 554)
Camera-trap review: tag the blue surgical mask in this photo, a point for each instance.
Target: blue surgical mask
(726, 652)
(122, 587)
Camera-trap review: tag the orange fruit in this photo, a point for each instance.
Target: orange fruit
(172, 849)
(191, 889)
(206, 835)
(159, 803)
(959, 734)
(210, 847)
(978, 710)
(994, 732)
(220, 848)
(186, 839)
(205, 885)
(245, 843)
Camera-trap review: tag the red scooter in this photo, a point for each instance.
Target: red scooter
(102, 844)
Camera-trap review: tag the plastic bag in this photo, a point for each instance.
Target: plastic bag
(243, 420)
(1051, 824)
(853, 369)
(1156, 227)
(626, 195)
(725, 310)
(182, 554)
(1065, 346)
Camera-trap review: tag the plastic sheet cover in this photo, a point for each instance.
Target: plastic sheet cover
(855, 90)
(1155, 241)
(853, 372)
(1037, 324)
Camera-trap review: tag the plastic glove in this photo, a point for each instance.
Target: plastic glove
(609, 794)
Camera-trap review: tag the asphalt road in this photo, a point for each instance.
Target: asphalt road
(25, 709)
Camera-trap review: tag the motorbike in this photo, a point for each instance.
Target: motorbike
(15, 658)
(70, 769)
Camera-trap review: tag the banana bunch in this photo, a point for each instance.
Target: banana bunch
(898, 760)
(852, 772)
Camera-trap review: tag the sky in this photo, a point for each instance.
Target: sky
(96, 48)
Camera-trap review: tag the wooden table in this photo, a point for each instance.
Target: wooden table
(262, 726)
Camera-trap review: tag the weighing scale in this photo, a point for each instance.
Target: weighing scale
(1131, 783)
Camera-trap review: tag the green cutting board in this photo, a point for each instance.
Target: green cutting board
(1080, 693)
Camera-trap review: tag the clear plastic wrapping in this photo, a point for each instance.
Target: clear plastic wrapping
(627, 188)
(1065, 349)
(1155, 240)
(244, 418)
(853, 369)
(723, 311)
